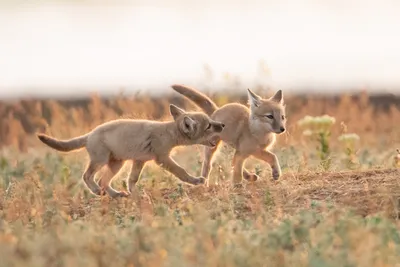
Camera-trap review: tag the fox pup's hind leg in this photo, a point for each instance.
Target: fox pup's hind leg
(136, 171)
(238, 163)
(114, 166)
(272, 160)
(88, 177)
(169, 164)
(207, 163)
(99, 156)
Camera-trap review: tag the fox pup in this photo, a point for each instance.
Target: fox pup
(115, 142)
(249, 131)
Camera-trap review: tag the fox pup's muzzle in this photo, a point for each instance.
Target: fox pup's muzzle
(217, 126)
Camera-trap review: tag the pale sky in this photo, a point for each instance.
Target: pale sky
(304, 43)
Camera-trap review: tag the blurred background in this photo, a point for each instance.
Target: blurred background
(56, 48)
(68, 65)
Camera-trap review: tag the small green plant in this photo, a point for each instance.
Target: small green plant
(65, 174)
(396, 161)
(318, 129)
(349, 142)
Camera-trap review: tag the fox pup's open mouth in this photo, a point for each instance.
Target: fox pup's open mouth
(213, 141)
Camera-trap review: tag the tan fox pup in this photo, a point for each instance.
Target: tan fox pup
(115, 142)
(249, 131)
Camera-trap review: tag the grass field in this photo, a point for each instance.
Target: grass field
(337, 203)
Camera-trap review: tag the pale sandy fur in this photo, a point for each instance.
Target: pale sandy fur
(113, 143)
(248, 130)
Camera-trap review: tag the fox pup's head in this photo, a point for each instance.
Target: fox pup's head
(196, 127)
(268, 114)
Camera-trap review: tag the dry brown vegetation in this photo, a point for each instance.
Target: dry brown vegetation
(309, 217)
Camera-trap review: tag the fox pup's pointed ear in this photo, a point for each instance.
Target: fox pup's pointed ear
(188, 125)
(278, 97)
(175, 111)
(254, 100)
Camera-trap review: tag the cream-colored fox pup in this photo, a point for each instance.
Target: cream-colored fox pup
(249, 131)
(117, 141)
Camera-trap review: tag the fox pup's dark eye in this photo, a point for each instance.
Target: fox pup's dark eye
(269, 116)
(283, 117)
(209, 126)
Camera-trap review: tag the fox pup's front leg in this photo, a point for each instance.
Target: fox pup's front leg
(170, 165)
(272, 160)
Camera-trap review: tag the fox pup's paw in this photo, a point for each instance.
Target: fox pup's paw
(198, 180)
(250, 177)
(237, 186)
(276, 173)
(99, 192)
(123, 194)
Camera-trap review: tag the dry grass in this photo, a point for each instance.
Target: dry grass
(308, 217)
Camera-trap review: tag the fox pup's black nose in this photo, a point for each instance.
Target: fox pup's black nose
(282, 129)
(222, 125)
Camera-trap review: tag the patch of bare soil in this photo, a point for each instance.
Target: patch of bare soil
(367, 192)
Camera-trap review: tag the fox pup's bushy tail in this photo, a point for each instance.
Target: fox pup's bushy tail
(200, 99)
(64, 145)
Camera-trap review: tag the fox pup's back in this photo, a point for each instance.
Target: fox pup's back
(127, 139)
